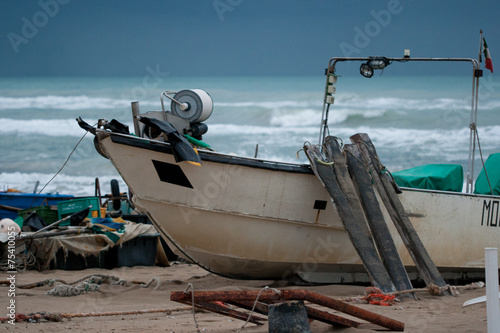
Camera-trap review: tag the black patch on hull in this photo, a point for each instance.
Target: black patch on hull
(320, 204)
(171, 173)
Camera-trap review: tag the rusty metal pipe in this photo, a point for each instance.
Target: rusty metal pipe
(225, 296)
(346, 308)
(288, 295)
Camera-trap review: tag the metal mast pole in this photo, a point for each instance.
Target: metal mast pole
(473, 119)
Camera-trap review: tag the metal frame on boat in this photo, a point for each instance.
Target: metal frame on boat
(382, 62)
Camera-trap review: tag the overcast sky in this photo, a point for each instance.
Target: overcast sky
(232, 37)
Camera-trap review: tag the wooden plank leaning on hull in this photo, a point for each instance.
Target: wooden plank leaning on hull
(356, 226)
(378, 226)
(383, 184)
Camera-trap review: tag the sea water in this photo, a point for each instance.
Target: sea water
(411, 120)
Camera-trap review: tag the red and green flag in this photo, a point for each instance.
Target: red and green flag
(487, 56)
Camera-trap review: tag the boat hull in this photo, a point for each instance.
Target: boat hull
(251, 219)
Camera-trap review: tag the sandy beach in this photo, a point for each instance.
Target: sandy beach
(428, 314)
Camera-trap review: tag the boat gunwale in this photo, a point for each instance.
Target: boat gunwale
(211, 156)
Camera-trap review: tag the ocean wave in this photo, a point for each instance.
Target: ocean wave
(63, 102)
(353, 101)
(292, 113)
(217, 130)
(349, 103)
(387, 136)
(282, 124)
(287, 118)
(271, 104)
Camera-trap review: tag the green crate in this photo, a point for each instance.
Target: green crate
(45, 212)
(65, 208)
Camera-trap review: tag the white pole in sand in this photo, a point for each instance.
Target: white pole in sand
(492, 302)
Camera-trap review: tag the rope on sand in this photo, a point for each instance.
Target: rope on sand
(83, 285)
(104, 278)
(64, 290)
(431, 288)
(88, 283)
(49, 282)
(60, 316)
(190, 286)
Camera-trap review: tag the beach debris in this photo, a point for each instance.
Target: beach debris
(431, 288)
(259, 301)
(64, 290)
(36, 317)
(86, 283)
(49, 282)
(23, 259)
(75, 219)
(190, 286)
(375, 296)
(8, 226)
(153, 279)
(380, 299)
(91, 284)
(477, 300)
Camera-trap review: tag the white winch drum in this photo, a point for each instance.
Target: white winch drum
(199, 103)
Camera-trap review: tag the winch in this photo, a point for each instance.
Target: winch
(189, 108)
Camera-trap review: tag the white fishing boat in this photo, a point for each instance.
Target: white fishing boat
(249, 218)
